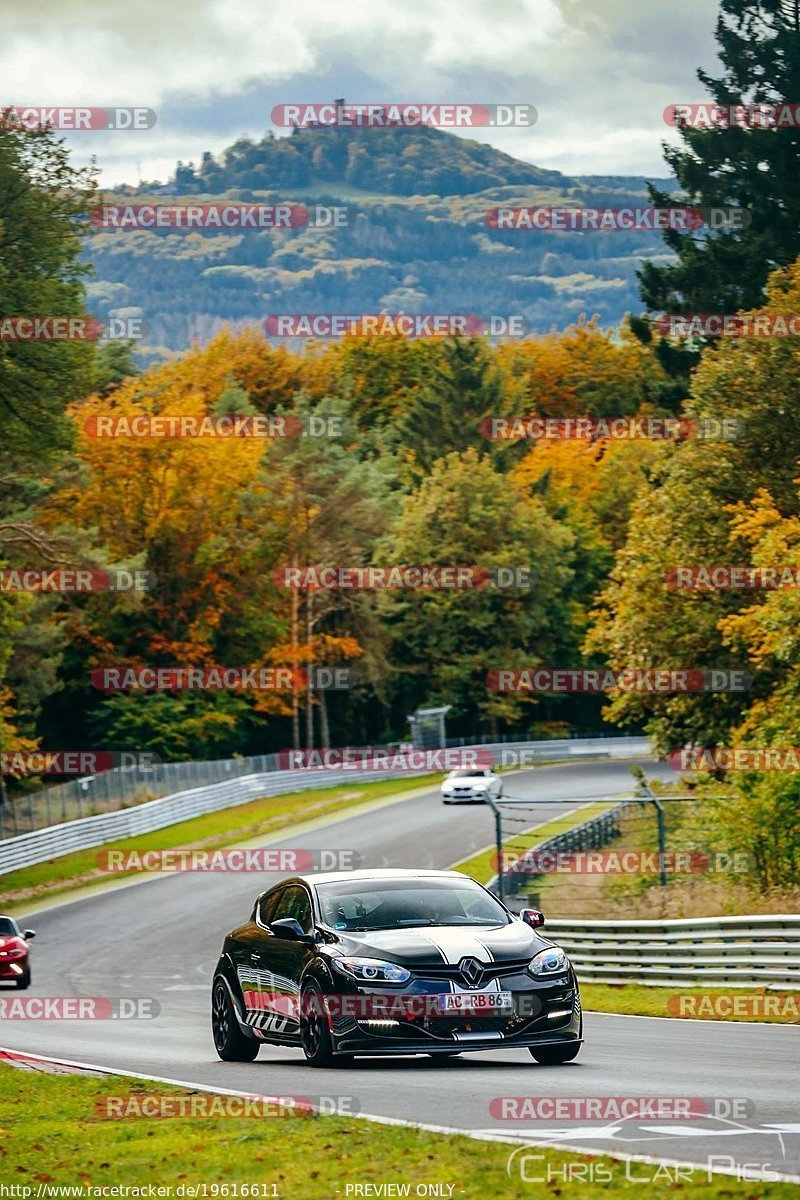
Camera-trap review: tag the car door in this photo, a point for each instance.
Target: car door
(283, 960)
(247, 954)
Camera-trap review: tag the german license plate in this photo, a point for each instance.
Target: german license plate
(472, 1002)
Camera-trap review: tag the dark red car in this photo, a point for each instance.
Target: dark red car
(15, 962)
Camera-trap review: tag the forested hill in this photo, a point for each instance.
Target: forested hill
(416, 239)
(394, 161)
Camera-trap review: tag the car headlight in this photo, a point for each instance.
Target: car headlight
(373, 970)
(552, 961)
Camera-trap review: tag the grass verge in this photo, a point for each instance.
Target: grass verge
(53, 1136)
(704, 1004)
(229, 826)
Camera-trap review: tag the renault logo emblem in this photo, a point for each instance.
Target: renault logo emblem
(471, 971)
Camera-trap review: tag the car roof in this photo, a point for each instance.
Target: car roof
(387, 873)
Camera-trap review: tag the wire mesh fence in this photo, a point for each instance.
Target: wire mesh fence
(607, 855)
(122, 787)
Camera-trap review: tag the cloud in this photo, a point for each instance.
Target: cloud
(600, 76)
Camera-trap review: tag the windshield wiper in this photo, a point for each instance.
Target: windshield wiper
(394, 925)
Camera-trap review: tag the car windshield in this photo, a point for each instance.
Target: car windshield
(396, 904)
(7, 927)
(468, 774)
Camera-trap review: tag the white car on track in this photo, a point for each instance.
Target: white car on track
(471, 785)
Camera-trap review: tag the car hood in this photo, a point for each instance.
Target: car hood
(441, 945)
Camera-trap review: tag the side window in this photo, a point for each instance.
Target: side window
(294, 902)
(266, 907)
(301, 909)
(283, 907)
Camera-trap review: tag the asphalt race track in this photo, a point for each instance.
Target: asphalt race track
(161, 939)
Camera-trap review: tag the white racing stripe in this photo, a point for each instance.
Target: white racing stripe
(455, 944)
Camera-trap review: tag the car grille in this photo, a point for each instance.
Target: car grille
(490, 971)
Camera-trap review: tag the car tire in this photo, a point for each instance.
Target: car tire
(24, 981)
(553, 1056)
(315, 1034)
(229, 1042)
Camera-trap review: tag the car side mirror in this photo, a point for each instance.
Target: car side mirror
(533, 917)
(28, 934)
(289, 928)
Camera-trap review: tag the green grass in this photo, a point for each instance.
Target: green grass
(269, 815)
(481, 866)
(52, 1135)
(634, 999)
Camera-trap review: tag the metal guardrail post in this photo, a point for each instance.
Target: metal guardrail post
(498, 833)
(639, 776)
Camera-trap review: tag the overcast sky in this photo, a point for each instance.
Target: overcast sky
(600, 75)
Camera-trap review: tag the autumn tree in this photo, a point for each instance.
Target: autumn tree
(43, 206)
(444, 642)
(689, 518)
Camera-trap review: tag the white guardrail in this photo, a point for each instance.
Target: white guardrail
(56, 840)
(747, 952)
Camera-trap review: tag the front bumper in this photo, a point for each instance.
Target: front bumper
(465, 796)
(542, 1015)
(13, 968)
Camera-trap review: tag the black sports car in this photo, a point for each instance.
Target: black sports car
(392, 962)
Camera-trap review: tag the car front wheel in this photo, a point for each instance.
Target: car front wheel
(230, 1043)
(24, 981)
(551, 1056)
(315, 1033)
